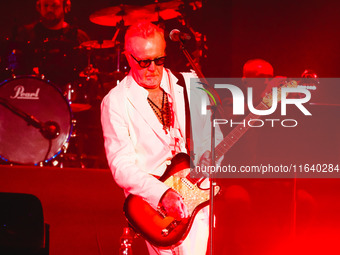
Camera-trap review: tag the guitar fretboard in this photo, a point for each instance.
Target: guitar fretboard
(236, 133)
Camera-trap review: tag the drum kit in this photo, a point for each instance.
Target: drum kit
(38, 115)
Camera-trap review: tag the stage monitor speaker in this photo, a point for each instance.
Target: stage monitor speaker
(22, 227)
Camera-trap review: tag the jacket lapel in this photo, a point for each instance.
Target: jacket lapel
(138, 98)
(179, 105)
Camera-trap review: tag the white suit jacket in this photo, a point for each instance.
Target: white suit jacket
(135, 143)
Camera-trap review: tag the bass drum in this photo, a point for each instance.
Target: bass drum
(21, 143)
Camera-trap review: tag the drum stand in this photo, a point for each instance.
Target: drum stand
(118, 74)
(72, 153)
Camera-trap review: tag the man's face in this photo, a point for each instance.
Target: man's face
(143, 49)
(51, 12)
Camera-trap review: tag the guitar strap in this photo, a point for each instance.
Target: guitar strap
(188, 129)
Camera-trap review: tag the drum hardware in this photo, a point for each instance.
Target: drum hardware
(109, 53)
(77, 92)
(92, 47)
(118, 74)
(72, 154)
(89, 71)
(77, 97)
(118, 57)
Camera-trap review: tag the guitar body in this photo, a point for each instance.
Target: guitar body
(154, 225)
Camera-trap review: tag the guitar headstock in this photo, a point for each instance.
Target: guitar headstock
(268, 98)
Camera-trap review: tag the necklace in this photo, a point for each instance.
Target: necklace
(163, 114)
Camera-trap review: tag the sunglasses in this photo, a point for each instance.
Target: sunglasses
(147, 62)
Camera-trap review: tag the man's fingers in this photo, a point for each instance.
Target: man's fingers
(174, 205)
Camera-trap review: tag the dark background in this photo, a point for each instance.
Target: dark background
(291, 35)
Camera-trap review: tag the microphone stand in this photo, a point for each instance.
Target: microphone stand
(30, 119)
(49, 129)
(213, 109)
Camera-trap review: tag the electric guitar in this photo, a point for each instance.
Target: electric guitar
(154, 224)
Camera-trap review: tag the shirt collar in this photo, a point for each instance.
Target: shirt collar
(165, 82)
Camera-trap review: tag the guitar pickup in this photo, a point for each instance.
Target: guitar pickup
(187, 183)
(161, 211)
(166, 231)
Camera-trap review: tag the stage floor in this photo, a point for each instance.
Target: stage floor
(84, 210)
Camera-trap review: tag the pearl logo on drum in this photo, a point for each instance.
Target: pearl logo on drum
(21, 94)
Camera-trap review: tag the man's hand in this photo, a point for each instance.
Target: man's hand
(205, 159)
(173, 204)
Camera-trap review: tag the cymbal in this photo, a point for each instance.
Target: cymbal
(112, 15)
(165, 10)
(131, 14)
(94, 44)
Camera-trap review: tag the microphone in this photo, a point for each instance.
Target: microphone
(50, 129)
(176, 35)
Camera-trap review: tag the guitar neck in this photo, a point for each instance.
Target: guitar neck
(236, 133)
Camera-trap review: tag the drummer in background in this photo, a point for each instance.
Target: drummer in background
(52, 43)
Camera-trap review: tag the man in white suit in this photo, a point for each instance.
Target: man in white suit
(143, 121)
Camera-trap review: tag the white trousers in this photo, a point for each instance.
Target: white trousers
(196, 241)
